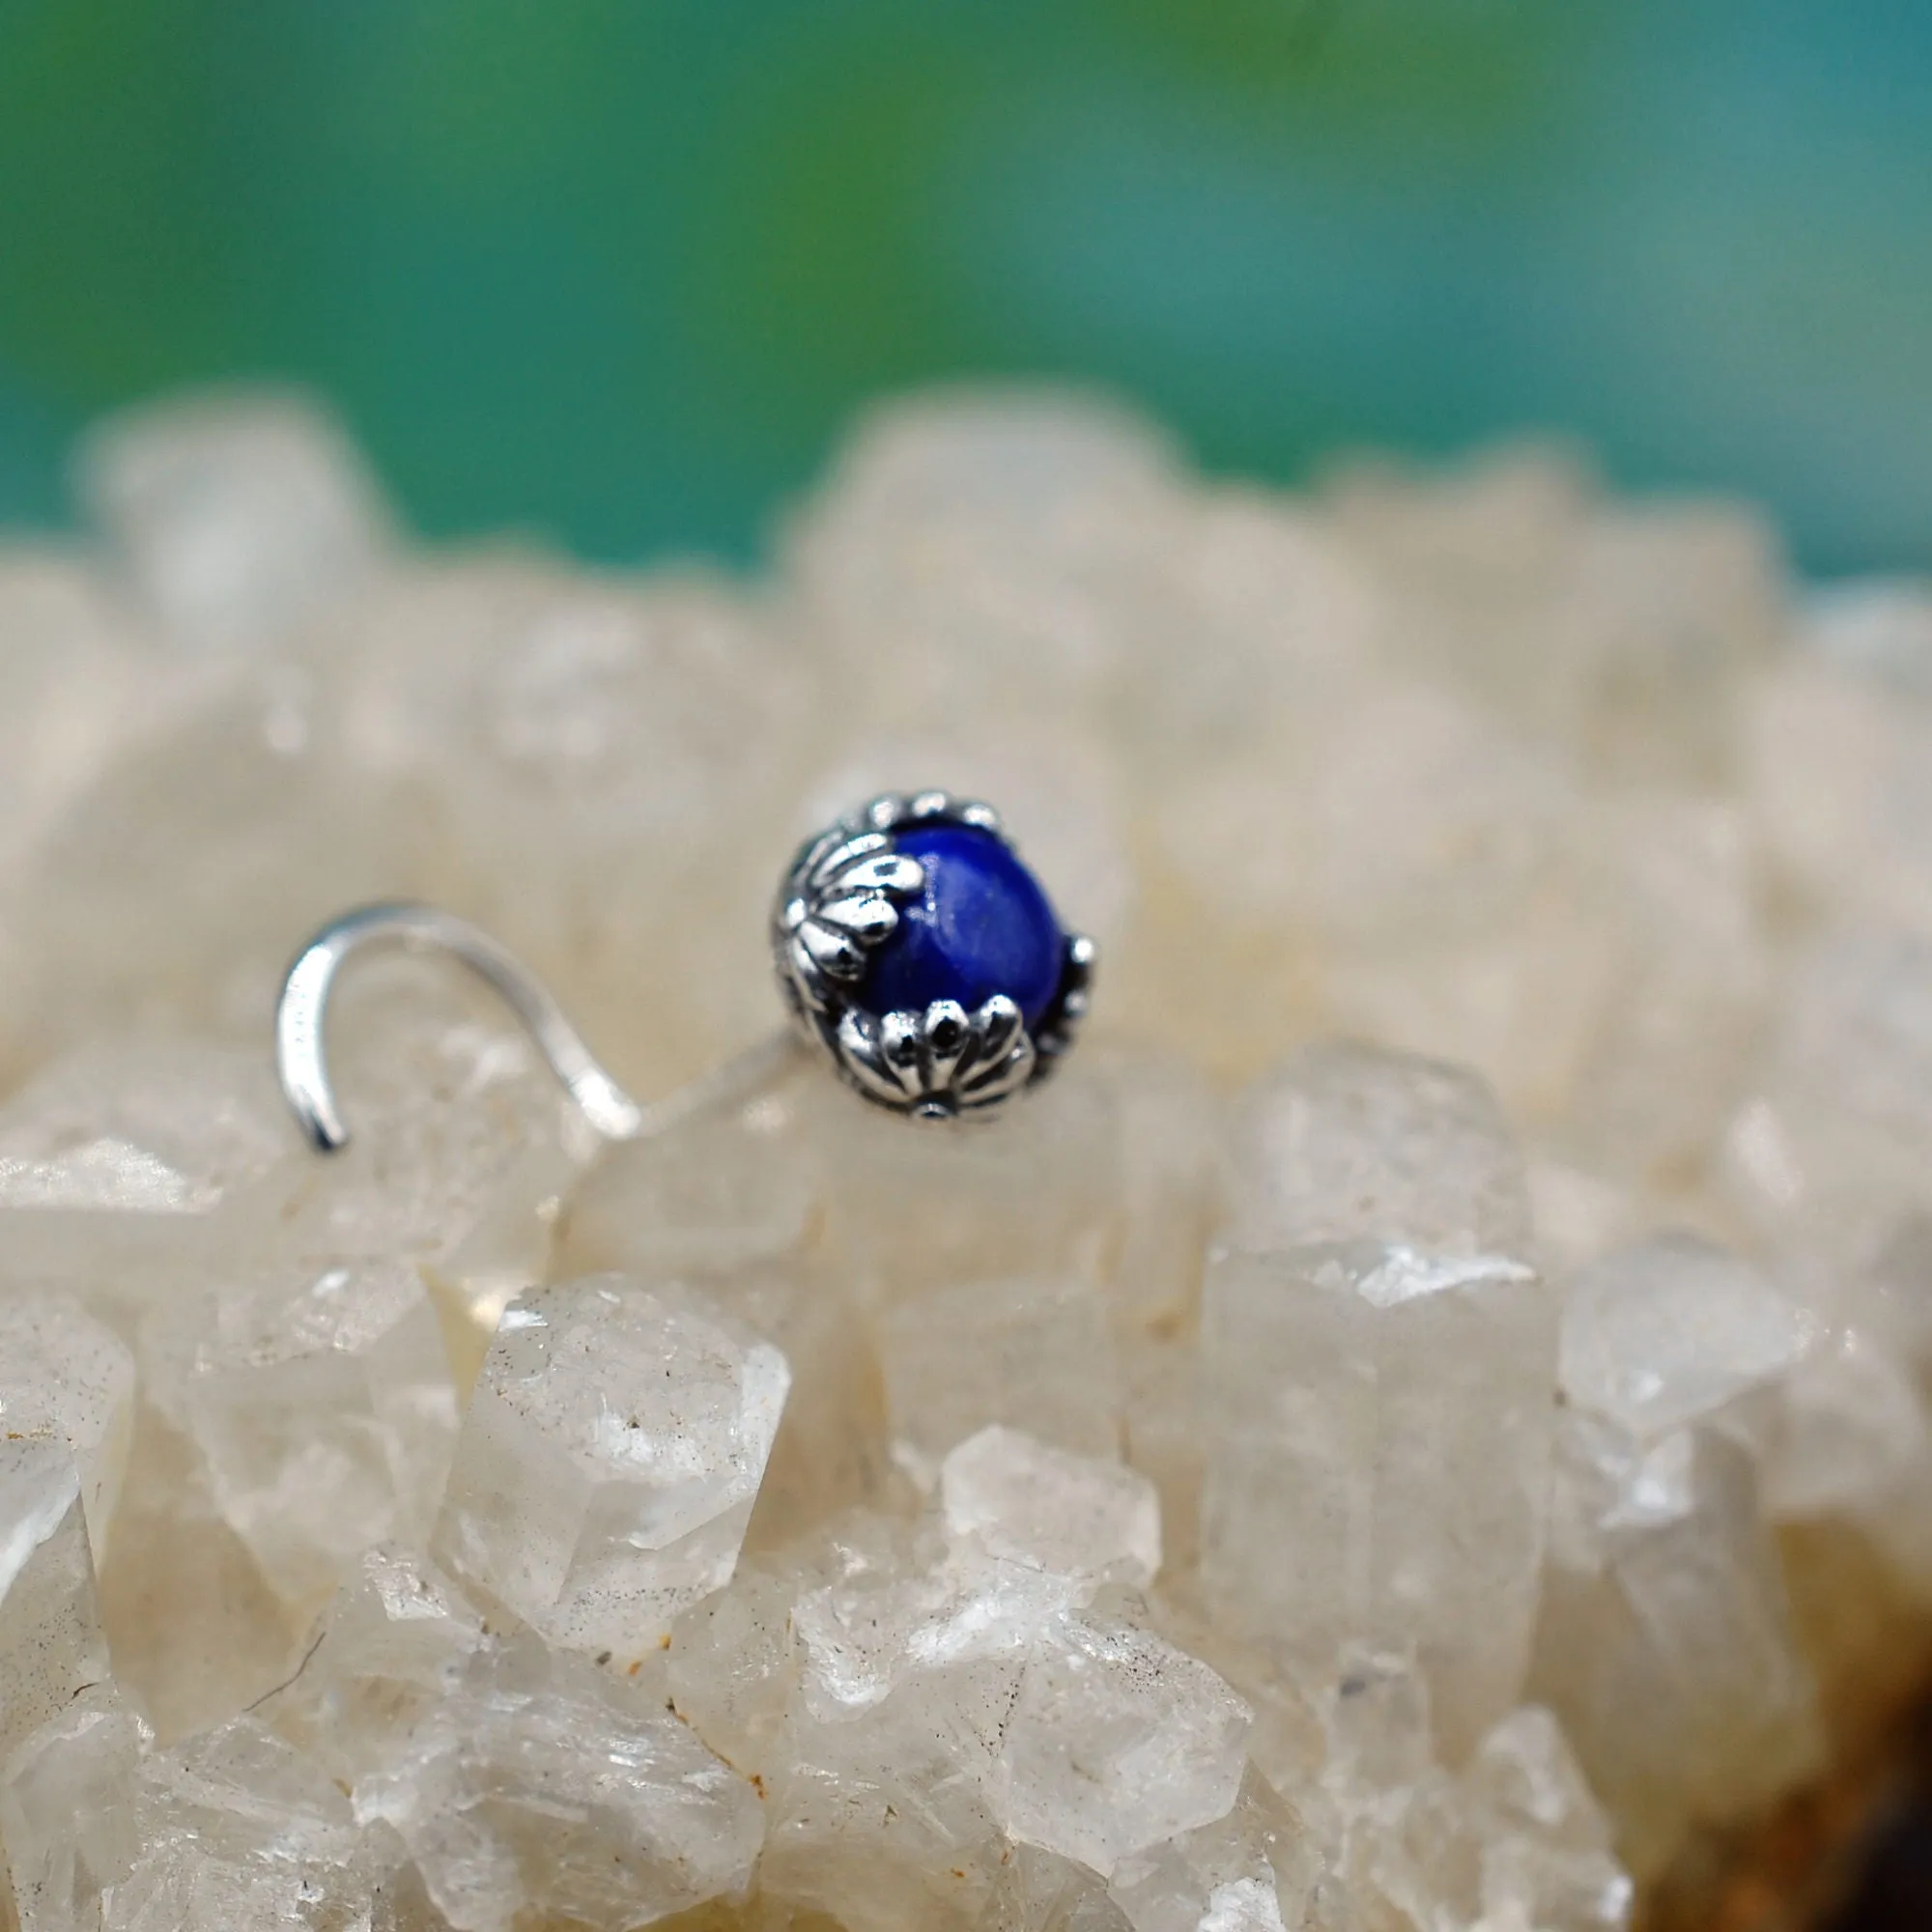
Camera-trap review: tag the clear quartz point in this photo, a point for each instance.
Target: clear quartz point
(612, 1453)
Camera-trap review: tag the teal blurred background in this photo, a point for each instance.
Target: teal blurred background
(617, 270)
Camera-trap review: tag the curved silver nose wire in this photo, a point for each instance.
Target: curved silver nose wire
(301, 1049)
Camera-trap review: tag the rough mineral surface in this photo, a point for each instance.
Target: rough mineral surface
(1660, 1559)
(1425, 1425)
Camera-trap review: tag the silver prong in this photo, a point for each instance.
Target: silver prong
(837, 850)
(946, 1036)
(900, 1051)
(834, 954)
(884, 872)
(1005, 1058)
(870, 918)
(865, 1060)
(997, 1025)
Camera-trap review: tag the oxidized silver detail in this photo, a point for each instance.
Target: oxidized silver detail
(839, 900)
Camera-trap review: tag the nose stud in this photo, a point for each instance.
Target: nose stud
(915, 952)
(923, 959)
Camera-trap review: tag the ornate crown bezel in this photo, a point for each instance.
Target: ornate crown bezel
(839, 901)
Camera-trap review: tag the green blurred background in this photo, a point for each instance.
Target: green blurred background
(618, 269)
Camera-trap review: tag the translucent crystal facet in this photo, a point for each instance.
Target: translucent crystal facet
(120, 1163)
(542, 1785)
(1117, 1741)
(1831, 1135)
(1026, 1502)
(1663, 1570)
(63, 1374)
(68, 1826)
(1379, 1426)
(388, 1650)
(237, 1829)
(1252, 1870)
(51, 1641)
(908, 1214)
(1345, 1142)
(717, 1194)
(609, 1458)
(1672, 1329)
(831, 1450)
(1028, 1351)
(196, 1631)
(321, 1402)
(1549, 1859)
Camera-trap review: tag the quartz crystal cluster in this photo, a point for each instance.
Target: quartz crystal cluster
(1423, 1425)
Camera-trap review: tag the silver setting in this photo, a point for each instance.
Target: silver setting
(837, 902)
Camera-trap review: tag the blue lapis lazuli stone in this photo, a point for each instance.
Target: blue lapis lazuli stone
(981, 926)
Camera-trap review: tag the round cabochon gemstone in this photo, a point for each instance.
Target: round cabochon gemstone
(981, 926)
